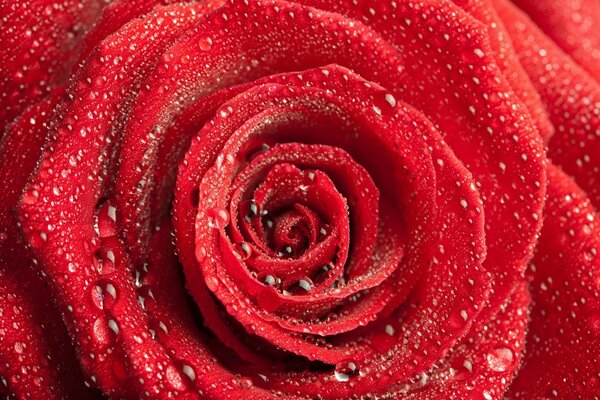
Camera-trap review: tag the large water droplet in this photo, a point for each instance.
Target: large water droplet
(189, 372)
(104, 295)
(299, 287)
(267, 279)
(500, 359)
(218, 218)
(205, 44)
(246, 383)
(105, 331)
(242, 250)
(212, 283)
(174, 378)
(200, 253)
(345, 370)
(19, 347)
(104, 261)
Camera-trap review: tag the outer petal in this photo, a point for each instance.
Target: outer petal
(484, 363)
(509, 63)
(572, 25)
(39, 45)
(36, 359)
(563, 344)
(571, 96)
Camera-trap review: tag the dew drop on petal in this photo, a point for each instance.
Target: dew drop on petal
(500, 359)
(218, 218)
(345, 370)
(212, 283)
(246, 383)
(242, 250)
(205, 44)
(189, 372)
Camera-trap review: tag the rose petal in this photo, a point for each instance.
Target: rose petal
(571, 97)
(571, 25)
(31, 331)
(39, 46)
(564, 331)
(461, 89)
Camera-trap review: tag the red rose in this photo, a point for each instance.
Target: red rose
(310, 199)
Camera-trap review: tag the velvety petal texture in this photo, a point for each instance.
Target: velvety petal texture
(264, 199)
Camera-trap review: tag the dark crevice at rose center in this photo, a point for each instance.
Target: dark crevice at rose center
(293, 212)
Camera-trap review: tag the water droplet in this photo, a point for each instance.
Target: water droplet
(500, 359)
(104, 331)
(390, 99)
(189, 372)
(200, 254)
(298, 286)
(205, 44)
(218, 218)
(389, 330)
(112, 324)
(106, 220)
(174, 378)
(246, 383)
(267, 279)
(345, 370)
(384, 104)
(322, 274)
(104, 295)
(19, 347)
(146, 298)
(104, 261)
(212, 283)
(38, 239)
(242, 250)
(158, 330)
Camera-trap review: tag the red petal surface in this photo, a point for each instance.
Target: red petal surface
(571, 97)
(508, 61)
(461, 89)
(565, 287)
(40, 42)
(311, 199)
(571, 24)
(37, 359)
